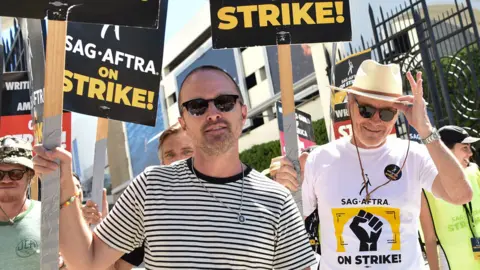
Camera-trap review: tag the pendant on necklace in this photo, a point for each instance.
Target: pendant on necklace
(11, 222)
(241, 218)
(368, 197)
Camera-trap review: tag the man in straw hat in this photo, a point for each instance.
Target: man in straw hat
(19, 216)
(367, 187)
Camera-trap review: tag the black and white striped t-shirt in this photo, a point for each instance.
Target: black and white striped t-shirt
(184, 227)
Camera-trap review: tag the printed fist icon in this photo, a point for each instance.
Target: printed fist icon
(368, 241)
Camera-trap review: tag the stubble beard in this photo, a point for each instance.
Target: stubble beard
(10, 197)
(217, 145)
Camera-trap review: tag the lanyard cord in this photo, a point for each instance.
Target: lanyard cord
(368, 196)
(471, 220)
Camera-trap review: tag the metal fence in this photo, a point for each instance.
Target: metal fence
(14, 50)
(444, 48)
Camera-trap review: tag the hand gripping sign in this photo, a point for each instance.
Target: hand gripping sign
(142, 13)
(240, 23)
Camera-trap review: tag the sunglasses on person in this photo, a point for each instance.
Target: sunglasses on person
(198, 106)
(367, 111)
(14, 175)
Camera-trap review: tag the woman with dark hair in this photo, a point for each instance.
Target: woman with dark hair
(449, 229)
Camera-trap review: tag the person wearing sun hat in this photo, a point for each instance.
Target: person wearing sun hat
(453, 226)
(19, 216)
(366, 187)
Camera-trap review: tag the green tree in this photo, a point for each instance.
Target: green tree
(259, 156)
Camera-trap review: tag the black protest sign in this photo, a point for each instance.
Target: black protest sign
(15, 94)
(302, 64)
(240, 23)
(304, 127)
(345, 71)
(142, 13)
(113, 72)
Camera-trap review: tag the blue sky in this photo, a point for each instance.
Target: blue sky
(179, 14)
(181, 11)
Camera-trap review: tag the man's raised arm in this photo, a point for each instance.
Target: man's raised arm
(80, 248)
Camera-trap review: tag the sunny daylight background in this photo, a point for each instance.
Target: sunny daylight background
(141, 140)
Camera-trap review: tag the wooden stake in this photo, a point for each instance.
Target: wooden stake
(286, 78)
(55, 68)
(289, 117)
(102, 129)
(52, 131)
(34, 188)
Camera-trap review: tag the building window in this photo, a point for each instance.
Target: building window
(251, 81)
(172, 99)
(262, 74)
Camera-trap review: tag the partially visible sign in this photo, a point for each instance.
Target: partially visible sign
(143, 13)
(114, 72)
(304, 126)
(15, 94)
(345, 71)
(240, 23)
(23, 127)
(302, 64)
(413, 134)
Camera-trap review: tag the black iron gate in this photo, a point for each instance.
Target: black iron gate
(444, 48)
(14, 50)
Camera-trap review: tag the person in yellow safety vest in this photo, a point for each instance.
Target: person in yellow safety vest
(454, 226)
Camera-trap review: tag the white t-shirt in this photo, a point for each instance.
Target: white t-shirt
(388, 224)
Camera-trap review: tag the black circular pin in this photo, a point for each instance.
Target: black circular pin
(393, 172)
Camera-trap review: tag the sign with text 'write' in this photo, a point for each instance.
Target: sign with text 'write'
(15, 94)
(142, 13)
(304, 127)
(240, 23)
(113, 72)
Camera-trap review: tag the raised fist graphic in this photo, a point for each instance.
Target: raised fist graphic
(368, 241)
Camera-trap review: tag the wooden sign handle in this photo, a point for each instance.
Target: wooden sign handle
(34, 188)
(289, 117)
(286, 78)
(52, 138)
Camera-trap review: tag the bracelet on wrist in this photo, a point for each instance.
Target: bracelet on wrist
(70, 200)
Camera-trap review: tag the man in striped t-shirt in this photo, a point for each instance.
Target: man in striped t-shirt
(206, 212)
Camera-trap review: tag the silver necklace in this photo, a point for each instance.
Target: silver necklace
(11, 221)
(241, 218)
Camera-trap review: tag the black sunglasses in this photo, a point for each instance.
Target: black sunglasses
(198, 106)
(367, 111)
(14, 175)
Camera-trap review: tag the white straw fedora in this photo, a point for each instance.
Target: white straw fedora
(377, 81)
